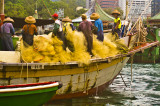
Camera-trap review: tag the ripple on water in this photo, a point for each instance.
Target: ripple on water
(145, 89)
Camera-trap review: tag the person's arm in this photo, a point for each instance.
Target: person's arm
(35, 31)
(56, 28)
(12, 29)
(117, 24)
(73, 27)
(79, 28)
(96, 24)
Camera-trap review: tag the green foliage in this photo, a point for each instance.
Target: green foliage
(23, 8)
(109, 10)
(80, 12)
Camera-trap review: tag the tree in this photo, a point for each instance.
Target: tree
(80, 12)
(109, 10)
(15, 10)
(23, 8)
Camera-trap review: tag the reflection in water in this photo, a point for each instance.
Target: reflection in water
(144, 91)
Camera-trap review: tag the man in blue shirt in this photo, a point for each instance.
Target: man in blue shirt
(99, 25)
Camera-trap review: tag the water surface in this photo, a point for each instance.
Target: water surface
(144, 90)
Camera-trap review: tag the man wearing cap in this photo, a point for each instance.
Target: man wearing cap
(57, 29)
(7, 30)
(67, 24)
(99, 25)
(117, 23)
(86, 27)
(29, 30)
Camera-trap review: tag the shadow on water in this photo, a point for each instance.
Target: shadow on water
(144, 91)
(108, 97)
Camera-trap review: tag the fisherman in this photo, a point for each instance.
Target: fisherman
(67, 22)
(98, 26)
(57, 29)
(29, 30)
(117, 23)
(7, 31)
(86, 27)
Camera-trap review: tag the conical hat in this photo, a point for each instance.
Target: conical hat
(116, 12)
(67, 19)
(95, 16)
(30, 20)
(8, 19)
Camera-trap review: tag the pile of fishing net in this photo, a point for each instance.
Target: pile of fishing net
(45, 49)
(110, 47)
(48, 49)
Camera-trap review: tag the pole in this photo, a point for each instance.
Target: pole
(2, 7)
(1, 12)
(126, 9)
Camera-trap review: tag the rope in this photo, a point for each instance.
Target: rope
(123, 80)
(27, 73)
(21, 71)
(98, 73)
(131, 69)
(84, 81)
(41, 4)
(47, 8)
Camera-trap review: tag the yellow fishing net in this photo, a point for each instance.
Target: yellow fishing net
(48, 49)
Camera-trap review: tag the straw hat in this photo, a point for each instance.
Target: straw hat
(8, 19)
(67, 19)
(95, 16)
(116, 12)
(84, 16)
(30, 20)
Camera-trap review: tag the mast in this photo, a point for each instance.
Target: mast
(2, 7)
(126, 9)
(1, 12)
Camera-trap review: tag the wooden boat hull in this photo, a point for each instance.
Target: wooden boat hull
(26, 96)
(77, 80)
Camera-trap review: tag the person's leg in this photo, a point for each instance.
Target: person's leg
(100, 36)
(3, 42)
(60, 35)
(89, 44)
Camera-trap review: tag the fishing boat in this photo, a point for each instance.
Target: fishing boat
(78, 79)
(35, 94)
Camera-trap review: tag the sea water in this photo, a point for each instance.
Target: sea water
(144, 90)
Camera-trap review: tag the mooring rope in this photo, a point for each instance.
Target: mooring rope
(131, 69)
(123, 79)
(85, 79)
(98, 74)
